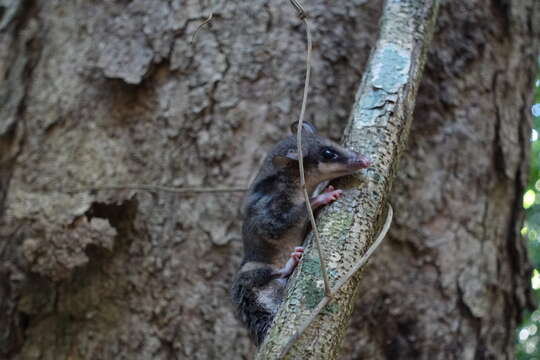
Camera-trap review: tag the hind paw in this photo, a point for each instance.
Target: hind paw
(289, 267)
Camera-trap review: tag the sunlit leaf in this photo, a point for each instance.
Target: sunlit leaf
(528, 198)
(523, 334)
(535, 281)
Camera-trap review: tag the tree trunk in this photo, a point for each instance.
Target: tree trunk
(113, 93)
(455, 272)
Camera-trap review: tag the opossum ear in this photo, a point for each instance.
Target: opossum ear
(282, 161)
(305, 126)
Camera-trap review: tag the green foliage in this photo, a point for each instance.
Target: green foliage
(528, 334)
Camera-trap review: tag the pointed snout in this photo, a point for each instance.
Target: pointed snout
(359, 162)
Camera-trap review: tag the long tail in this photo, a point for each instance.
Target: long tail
(251, 306)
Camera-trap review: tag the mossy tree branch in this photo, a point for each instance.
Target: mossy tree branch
(378, 127)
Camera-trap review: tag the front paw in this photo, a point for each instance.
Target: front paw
(297, 254)
(327, 196)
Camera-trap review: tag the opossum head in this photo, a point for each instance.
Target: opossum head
(323, 158)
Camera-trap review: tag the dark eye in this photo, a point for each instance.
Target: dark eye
(329, 154)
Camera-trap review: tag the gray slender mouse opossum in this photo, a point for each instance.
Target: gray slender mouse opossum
(276, 219)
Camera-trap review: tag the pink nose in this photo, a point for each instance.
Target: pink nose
(361, 162)
(364, 161)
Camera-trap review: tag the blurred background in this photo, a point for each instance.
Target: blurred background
(528, 335)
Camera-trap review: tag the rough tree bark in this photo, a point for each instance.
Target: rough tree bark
(96, 92)
(378, 127)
